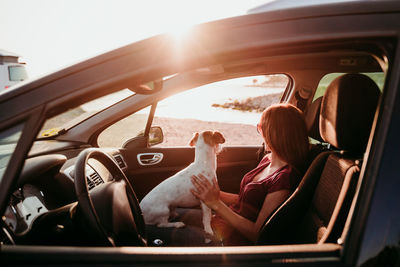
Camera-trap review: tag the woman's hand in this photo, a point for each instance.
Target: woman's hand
(206, 191)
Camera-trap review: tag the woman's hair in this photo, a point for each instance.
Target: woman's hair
(285, 132)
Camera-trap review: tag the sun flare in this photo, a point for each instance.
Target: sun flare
(181, 31)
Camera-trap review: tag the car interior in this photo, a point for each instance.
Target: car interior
(66, 192)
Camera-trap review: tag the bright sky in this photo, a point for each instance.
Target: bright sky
(51, 34)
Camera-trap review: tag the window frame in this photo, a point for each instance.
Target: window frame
(32, 121)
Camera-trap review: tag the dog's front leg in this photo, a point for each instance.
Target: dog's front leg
(207, 221)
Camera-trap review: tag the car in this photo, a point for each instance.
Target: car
(111, 128)
(11, 71)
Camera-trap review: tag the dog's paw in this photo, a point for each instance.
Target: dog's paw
(207, 240)
(171, 224)
(179, 224)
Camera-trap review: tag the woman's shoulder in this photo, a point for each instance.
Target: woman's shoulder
(266, 159)
(281, 180)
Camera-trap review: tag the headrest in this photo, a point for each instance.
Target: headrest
(347, 112)
(312, 119)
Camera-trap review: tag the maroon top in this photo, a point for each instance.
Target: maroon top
(251, 198)
(252, 193)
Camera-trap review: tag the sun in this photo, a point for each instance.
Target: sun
(180, 32)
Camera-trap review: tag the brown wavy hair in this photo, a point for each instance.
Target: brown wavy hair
(284, 131)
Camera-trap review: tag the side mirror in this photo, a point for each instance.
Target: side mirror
(156, 136)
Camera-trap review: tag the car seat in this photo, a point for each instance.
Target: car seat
(311, 116)
(317, 210)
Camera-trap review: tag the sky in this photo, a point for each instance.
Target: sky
(52, 34)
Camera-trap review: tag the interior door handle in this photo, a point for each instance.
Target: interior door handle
(146, 159)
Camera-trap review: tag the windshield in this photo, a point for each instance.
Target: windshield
(71, 117)
(8, 142)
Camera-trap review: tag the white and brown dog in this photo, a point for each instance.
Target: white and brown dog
(160, 203)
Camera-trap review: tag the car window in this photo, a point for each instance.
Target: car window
(377, 77)
(118, 133)
(71, 117)
(8, 142)
(232, 107)
(17, 73)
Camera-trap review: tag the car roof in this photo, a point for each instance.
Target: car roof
(294, 11)
(275, 5)
(5, 53)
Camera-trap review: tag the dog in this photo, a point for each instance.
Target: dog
(158, 206)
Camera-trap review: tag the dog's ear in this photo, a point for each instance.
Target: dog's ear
(218, 138)
(194, 139)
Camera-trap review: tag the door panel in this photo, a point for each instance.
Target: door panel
(233, 163)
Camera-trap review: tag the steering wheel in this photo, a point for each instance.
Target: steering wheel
(111, 208)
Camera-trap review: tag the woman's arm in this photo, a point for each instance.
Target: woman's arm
(209, 194)
(228, 198)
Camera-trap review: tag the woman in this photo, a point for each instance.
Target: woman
(239, 217)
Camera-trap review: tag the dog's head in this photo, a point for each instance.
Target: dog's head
(213, 139)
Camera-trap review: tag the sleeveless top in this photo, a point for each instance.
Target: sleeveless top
(252, 193)
(251, 198)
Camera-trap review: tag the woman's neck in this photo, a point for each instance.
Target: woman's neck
(276, 162)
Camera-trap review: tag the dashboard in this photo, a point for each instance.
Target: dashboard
(46, 183)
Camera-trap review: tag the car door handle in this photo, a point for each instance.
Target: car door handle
(146, 159)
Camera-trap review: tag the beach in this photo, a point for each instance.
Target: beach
(180, 131)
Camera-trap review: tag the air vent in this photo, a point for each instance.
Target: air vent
(90, 184)
(120, 161)
(93, 180)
